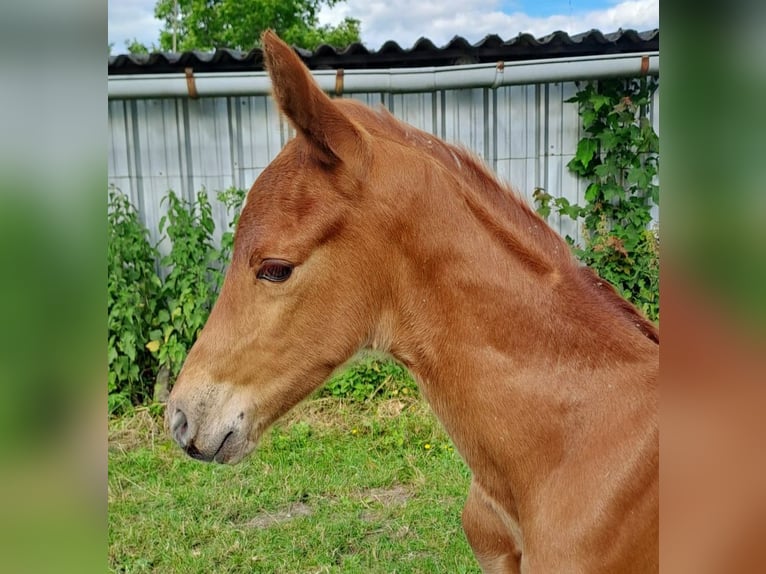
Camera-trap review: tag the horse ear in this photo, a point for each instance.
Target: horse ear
(311, 111)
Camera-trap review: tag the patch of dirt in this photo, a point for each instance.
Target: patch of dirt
(397, 495)
(268, 519)
(394, 496)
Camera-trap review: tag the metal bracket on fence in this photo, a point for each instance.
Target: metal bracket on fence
(339, 82)
(644, 65)
(191, 85)
(499, 71)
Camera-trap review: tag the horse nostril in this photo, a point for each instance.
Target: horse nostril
(179, 428)
(193, 452)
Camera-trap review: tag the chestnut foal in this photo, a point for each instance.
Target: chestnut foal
(365, 232)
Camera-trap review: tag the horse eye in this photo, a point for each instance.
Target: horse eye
(275, 270)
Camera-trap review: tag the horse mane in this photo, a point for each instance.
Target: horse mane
(498, 206)
(508, 215)
(503, 211)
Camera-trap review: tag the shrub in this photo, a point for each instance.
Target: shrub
(368, 377)
(153, 323)
(133, 287)
(190, 288)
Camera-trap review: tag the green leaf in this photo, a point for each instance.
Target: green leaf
(637, 176)
(605, 170)
(608, 140)
(572, 211)
(588, 118)
(592, 192)
(586, 148)
(599, 101)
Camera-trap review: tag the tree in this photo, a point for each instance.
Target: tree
(209, 24)
(135, 47)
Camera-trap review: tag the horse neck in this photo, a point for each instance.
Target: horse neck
(505, 337)
(473, 264)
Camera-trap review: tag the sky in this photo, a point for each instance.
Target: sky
(405, 21)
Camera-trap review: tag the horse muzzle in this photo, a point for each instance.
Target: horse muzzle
(223, 441)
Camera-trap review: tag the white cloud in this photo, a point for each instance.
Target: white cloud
(405, 21)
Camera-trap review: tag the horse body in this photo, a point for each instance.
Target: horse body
(545, 379)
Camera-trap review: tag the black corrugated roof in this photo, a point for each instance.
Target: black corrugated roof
(390, 55)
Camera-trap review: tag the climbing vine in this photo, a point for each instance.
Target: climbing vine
(619, 156)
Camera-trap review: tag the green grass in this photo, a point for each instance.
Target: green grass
(337, 487)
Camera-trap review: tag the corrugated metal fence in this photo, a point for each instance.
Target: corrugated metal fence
(526, 134)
